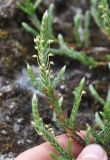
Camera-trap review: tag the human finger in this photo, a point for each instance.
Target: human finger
(41, 152)
(93, 152)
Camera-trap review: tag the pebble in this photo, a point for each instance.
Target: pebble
(16, 127)
(62, 87)
(12, 106)
(6, 89)
(1, 94)
(20, 120)
(4, 132)
(21, 141)
(8, 156)
(8, 119)
(29, 141)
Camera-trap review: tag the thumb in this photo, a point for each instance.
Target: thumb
(93, 152)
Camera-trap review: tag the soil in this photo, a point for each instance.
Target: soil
(16, 90)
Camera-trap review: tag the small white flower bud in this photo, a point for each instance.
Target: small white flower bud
(43, 65)
(34, 56)
(100, 6)
(51, 62)
(46, 13)
(35, 40)
(52, 132)
(50, 41)
(32, 123)
(46, 126)
(50, 129)
(40, 68)
(47, 71)
(36, 47)
(83, 92)
(50, 55)
(40, 133)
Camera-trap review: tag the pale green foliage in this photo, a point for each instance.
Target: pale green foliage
(81, 28)
(102, 136)
(88, 134)
(29, 29)
(107, 107)
(86, 29)
(98, 120)
(46, 83)
(96, 13)
(36, 115)
(68, 149)
(40, 128)
(77, 28)
(32, 76)
(108, 57)
(59, 77)
(78, 94)
(96, 95)
(29, 8)
(82, 40)
(50, 21)
(64, 50)
(101, 13)
(56, 157)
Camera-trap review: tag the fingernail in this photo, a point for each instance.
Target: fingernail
(93, 152)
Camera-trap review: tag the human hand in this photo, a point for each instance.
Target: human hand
(41, 152)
